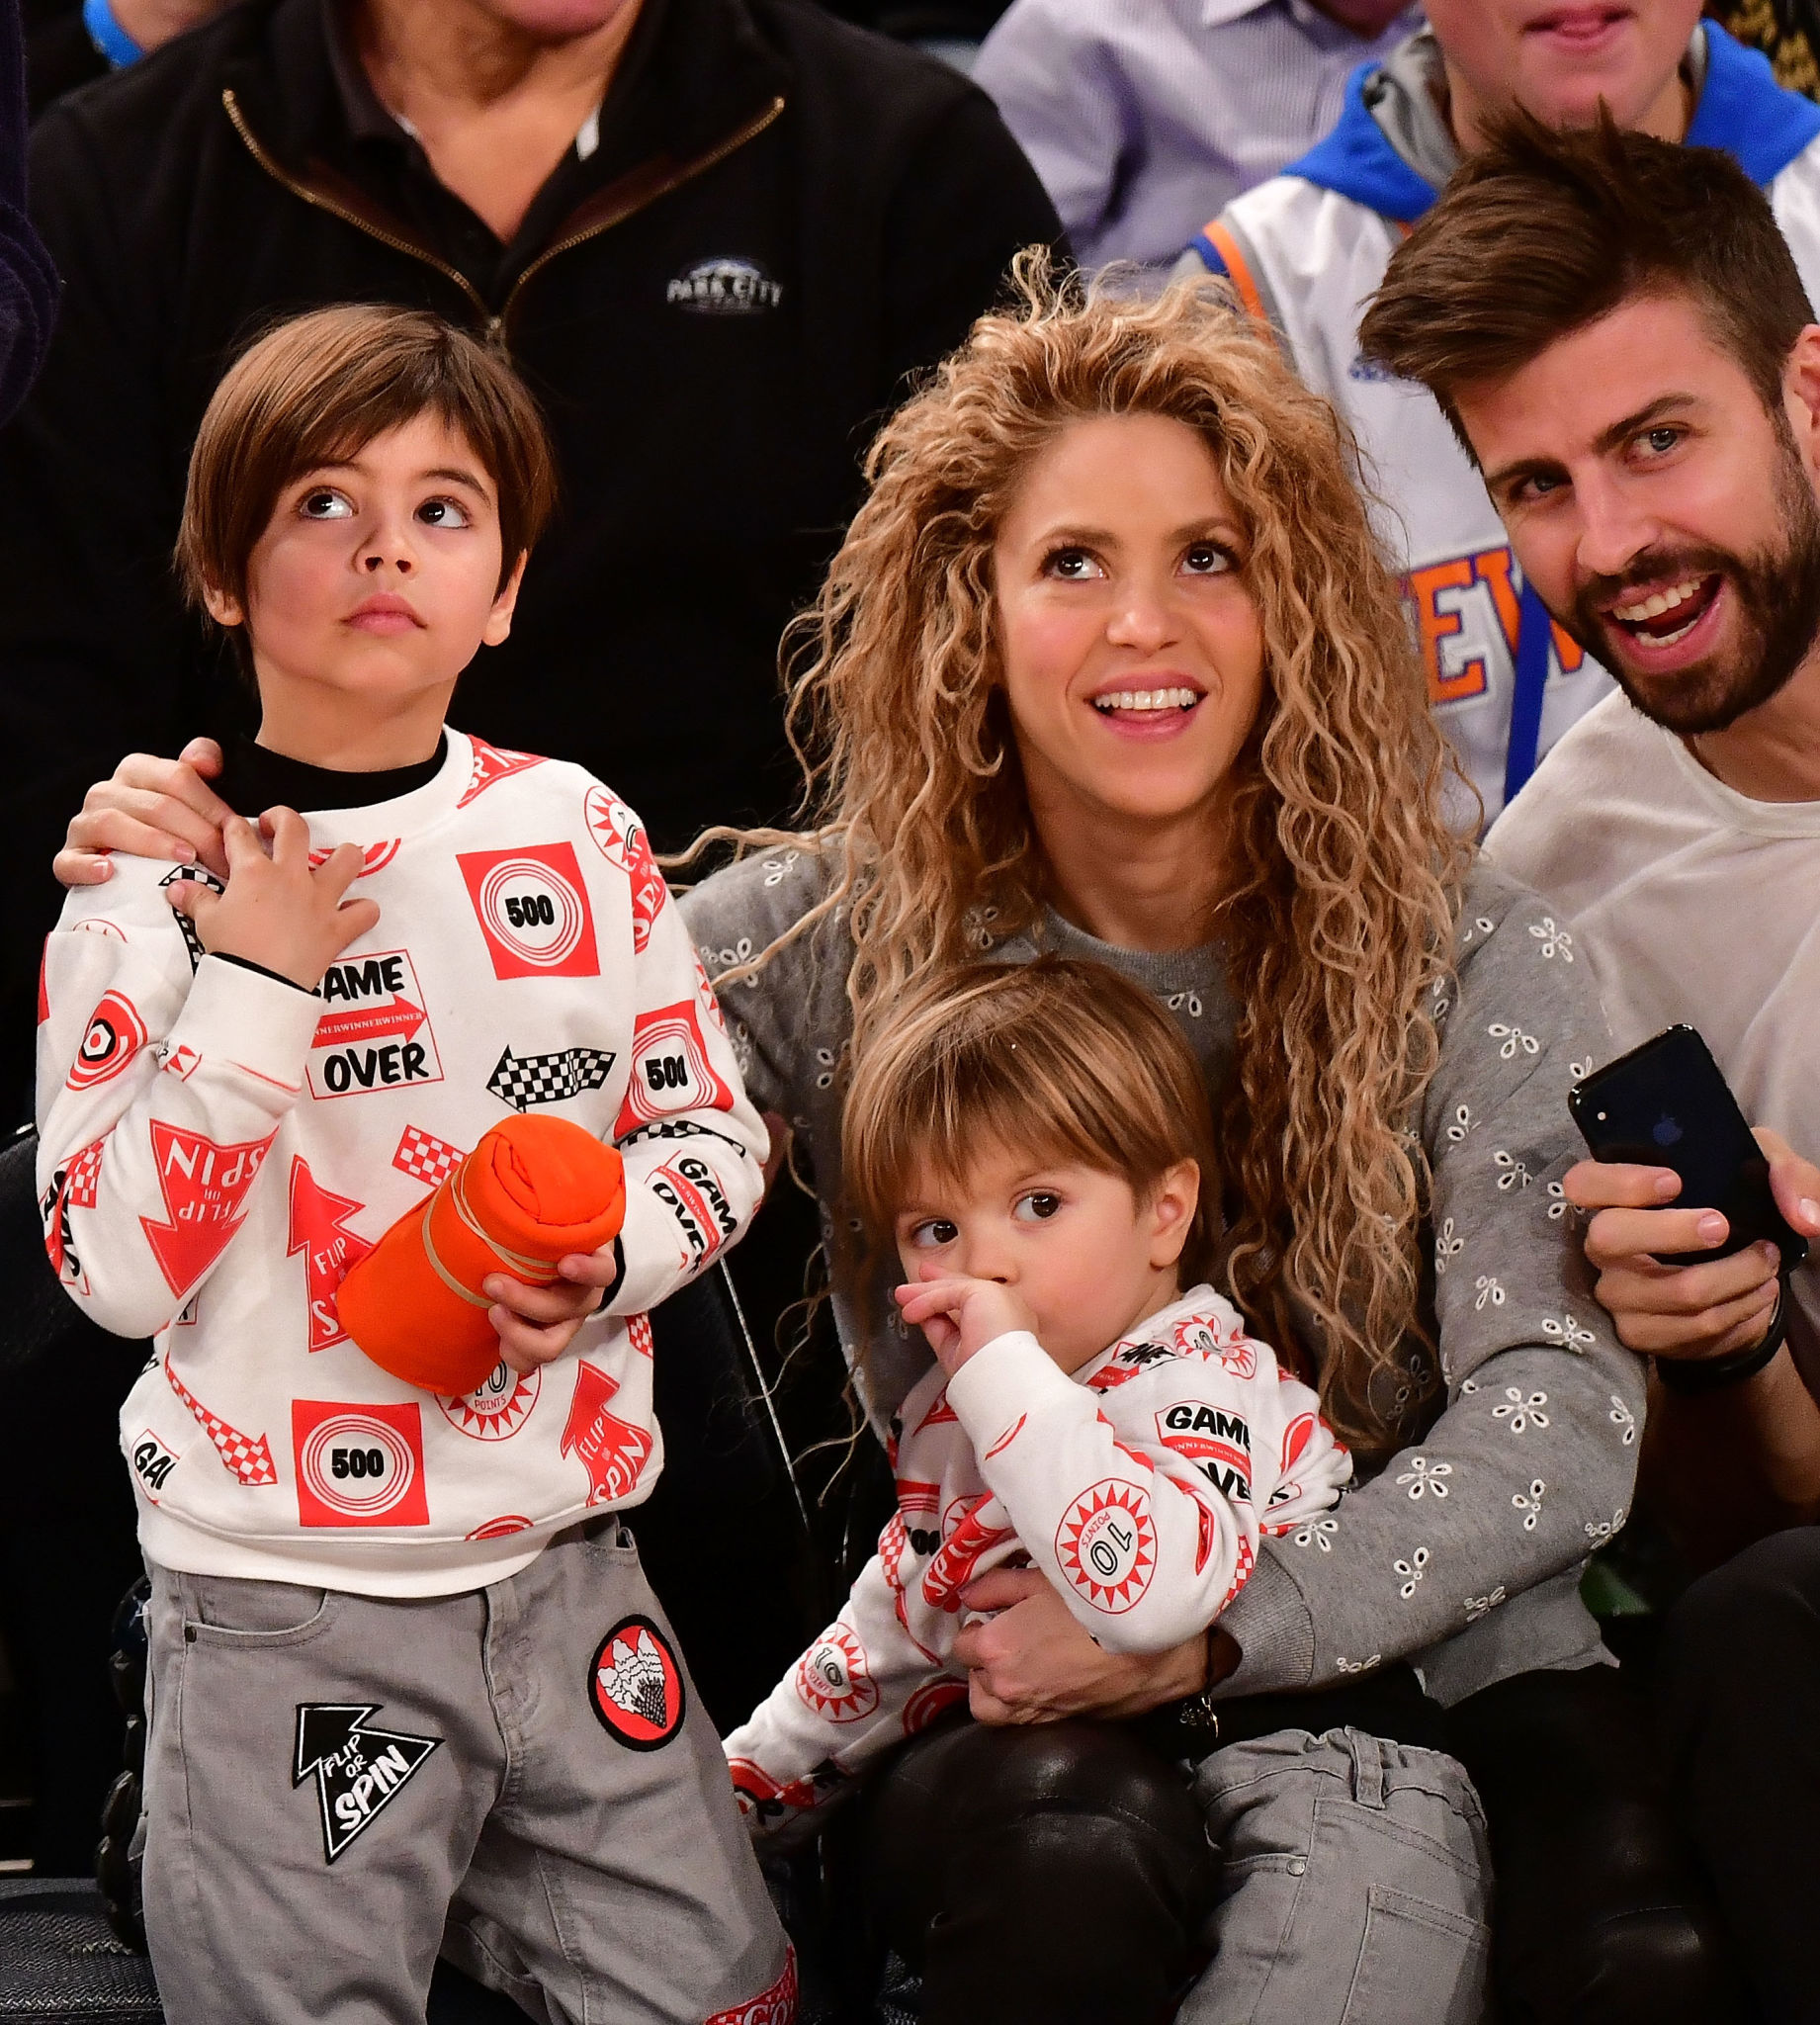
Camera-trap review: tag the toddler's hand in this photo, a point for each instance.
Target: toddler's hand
(277, 911)
(960, 1316)
(538, 1323)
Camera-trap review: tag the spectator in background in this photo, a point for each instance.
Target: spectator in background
(1307, 249)
(1145, 117)
(73, 42)
(1619, 331)
(714, 235)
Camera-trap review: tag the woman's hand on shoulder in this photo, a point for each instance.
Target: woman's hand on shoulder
(150, 808)
(1032, 1662)
(1685, 1311)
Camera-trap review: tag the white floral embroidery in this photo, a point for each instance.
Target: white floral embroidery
(1346, 1665)
(1463, 1122)
(776, 869)
(1558, 1204)
(827, 1059)
(1554, 940)
(1488, 1290)
(1469, 1386)
(1423, 1477)
(1519, 1411)
(740, 952)
(1481, 924)
(1447, 1246)
(1478, 1606)
(1621, 1416)
(1600, 1531)
(1513, 1174)
(1530, 1504)
(1191, 1000)
(1513, 1037)
(1568, 1333)
(1318, 1532)
(1580, 1071)
(1411, 1571)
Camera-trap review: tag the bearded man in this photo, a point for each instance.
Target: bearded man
(1618, 334)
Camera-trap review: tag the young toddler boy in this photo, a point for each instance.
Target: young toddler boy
(1036, 1145)
(409, 1687)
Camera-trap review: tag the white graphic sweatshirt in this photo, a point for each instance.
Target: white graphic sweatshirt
(1139, 1486)
(217, 1148)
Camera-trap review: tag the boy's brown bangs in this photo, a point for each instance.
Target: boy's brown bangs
(1064, 1061)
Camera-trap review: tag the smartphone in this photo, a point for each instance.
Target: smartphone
(1666, 1103)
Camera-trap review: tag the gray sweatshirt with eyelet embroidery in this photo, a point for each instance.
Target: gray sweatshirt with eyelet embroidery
(1463, 1554)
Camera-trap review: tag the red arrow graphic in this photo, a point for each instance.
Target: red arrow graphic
(205, 1198)
(612, 1451)
(366, 1022)
(318, 1229)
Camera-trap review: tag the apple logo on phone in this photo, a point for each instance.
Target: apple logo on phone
(1667, 1131)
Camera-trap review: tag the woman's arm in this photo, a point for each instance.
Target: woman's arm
(1530, 1465)
(148, 808)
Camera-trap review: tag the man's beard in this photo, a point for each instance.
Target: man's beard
(1778, 597)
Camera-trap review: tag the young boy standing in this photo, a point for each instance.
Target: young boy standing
(409, 1687)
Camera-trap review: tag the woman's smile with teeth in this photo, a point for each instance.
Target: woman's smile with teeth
(1147, 699)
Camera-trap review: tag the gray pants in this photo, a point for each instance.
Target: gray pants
(1355, 1888)
(337, 1786)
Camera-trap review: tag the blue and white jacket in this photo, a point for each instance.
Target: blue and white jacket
(1308, 250)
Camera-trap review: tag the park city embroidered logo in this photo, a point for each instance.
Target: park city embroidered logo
(1107, 1546)
(621, 839)
(1217, 1442)
(670, 1070)
(205, 1186)
(533, 910)
(524, 1079)
(834, 1679)
(195, 875)
(359, 1771)
(374, 1033)
(357, 1465)
(497, 1407)
(494, 763)
(773, 2006)
(724, 287)
(318, 1229)
(612, 1451)
(115, 1033)
(635, 1684)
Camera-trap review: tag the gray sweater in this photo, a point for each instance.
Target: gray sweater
(1463, 1554)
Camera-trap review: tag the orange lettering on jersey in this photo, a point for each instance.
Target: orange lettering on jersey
(1433, 626)
(1491, 567)
(1569, 652)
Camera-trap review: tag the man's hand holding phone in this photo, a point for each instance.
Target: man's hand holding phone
(1710, 1310)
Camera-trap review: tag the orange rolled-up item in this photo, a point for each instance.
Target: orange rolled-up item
(531, 1192)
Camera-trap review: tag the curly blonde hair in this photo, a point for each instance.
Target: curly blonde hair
(1338, 927)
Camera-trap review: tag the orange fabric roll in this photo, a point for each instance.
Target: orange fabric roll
(531, 1192)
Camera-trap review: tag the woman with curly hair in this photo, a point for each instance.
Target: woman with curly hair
(1110, 665)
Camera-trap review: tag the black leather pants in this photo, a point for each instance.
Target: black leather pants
(1739, 1686)
(1057, 1874)
(1603, 1914)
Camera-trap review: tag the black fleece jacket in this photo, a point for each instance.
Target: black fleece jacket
(784, 217)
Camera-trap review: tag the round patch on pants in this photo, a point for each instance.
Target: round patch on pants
(637, 1684)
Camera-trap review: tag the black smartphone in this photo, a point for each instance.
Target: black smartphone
(1667, 1103)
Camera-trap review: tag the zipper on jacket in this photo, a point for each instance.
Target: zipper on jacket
(493, 322)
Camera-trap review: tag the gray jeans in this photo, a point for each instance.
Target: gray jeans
(338, 1786)
(1355, 1890)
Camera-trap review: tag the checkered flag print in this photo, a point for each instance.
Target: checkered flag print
(426, 1158)
(197, 875)
(83, 1178)
(524, 1079)
(248, 1456)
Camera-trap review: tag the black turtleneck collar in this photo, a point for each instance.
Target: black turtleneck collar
(255, 780)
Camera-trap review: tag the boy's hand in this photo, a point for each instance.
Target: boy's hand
(538, 1323)
(149, 808)
(960, 1316)
(277, 911)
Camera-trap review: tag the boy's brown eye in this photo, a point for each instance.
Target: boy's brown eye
(1040, 1204)
(324, 504)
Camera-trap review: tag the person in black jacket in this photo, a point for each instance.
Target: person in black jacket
(714, 278)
